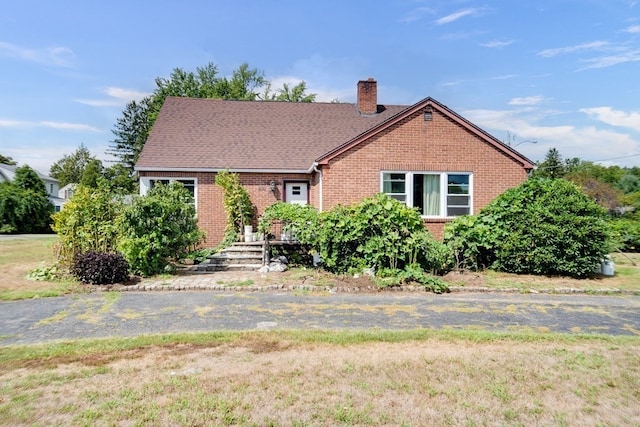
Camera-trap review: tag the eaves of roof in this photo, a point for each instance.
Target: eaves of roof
(214, 170)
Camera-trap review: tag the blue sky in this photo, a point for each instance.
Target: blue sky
(564, 73)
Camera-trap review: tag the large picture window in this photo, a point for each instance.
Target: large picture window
(434, 194)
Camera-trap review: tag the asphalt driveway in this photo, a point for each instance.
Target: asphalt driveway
(134, 313)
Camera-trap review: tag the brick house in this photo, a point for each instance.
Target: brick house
(326, 154)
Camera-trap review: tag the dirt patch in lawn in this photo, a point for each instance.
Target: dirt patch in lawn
(430, 382)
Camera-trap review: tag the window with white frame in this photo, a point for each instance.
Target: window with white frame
(147, 183)
(434, 194)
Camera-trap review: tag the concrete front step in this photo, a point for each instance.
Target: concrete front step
(229, 267)
(241, 256)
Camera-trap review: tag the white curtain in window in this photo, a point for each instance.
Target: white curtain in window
(431, 189)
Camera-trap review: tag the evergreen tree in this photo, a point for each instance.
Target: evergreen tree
(551, 167)
(119, 180)
(28, 179)
(24, 204)
(92, 174)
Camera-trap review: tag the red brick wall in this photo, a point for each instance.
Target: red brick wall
(439, 145)
(212, 218)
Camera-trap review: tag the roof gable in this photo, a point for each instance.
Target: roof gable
(425, 104)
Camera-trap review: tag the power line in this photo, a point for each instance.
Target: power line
(616, 158)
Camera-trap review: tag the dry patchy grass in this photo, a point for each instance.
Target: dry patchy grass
(20, 256)
(267, 379)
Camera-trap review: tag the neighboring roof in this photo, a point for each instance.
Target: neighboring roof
(9, 172)
(210, 134)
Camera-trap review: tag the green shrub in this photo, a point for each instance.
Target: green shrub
(412, 273)
(379, 232)
(87, 222)
(158, 227)
(98, 268)
(24, 210)
(237, 204)
(301, 220)
(626, 232)
(44, 273)
(544, 226)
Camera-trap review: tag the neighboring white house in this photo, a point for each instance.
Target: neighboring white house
(67, 191)
(8, 172)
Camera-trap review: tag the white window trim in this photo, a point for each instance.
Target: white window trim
(443, 188)
(145, 184)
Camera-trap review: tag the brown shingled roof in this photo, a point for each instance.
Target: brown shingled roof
(213, 134)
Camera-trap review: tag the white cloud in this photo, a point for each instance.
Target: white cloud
(117, 97)
(597, 45)
(7, 123)
(459, 82)
(41, 156)
(526, 100)
(634, 29)
(611, 60)
(613, 117)
(585, 142)
(416, 14)
(497, 43)
(457, 15)
(56, 56)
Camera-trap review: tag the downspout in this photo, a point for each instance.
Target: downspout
(315, 169)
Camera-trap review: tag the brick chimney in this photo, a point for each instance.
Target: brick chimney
(368, 97)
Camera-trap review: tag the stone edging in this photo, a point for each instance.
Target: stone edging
(342, 289)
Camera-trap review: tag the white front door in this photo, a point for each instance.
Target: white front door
(296, 192)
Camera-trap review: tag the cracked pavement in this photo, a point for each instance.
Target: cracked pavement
(107, 314)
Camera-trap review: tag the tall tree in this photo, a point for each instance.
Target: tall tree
(119, 179)
(296, 93)
(70, 168)
(7, 160)
(551, 167)
(132, 129)
(24, 205)
(92, 174)
(28, 179)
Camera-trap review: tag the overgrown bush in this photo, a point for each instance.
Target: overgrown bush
(412, 273)
(158, 227)
(87, 222)
(99, 268)
(237, 204)
(24, 204)
(379, 232)
(626, 234)
(544, 226)
(301, 220)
